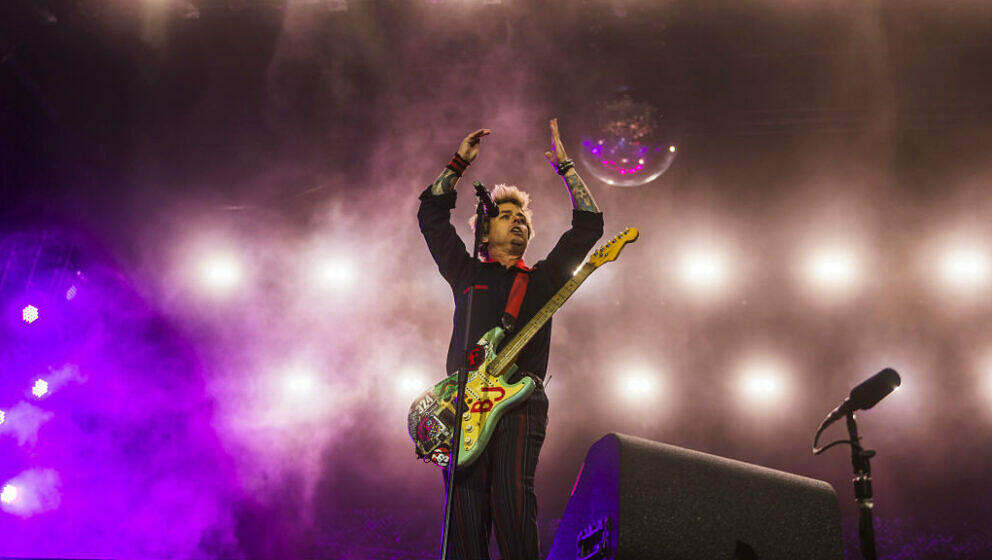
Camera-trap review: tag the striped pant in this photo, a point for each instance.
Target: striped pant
(498, 489)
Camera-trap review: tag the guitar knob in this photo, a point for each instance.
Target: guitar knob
(469, 428)
(467, 416)
(468, 441)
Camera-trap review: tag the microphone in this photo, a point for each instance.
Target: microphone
(487, 201)
(865, 396)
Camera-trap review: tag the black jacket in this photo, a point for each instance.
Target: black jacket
(493, 280)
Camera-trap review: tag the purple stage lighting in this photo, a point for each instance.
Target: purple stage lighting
(3, 416)
(29, 314)
(40, 388)
(9, 494)
(71, 293)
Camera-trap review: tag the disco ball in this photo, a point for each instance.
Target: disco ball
(632, 144)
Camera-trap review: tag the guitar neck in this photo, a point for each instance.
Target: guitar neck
(508, 355)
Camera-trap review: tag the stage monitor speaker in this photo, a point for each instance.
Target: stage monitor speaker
(638, 499)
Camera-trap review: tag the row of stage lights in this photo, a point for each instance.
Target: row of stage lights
(704, 270)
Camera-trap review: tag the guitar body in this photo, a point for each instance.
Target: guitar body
(487, 399)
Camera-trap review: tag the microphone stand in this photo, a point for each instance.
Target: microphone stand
(456, 434)
(862, 483)
(862, 490)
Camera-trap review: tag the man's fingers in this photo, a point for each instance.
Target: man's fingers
(549, 155)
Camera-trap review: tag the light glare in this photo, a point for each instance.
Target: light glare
(762, 381)
(833, 270)
(9, 494)
(29, 314)
(638, 385)
(964, 268)
(411, 383)
(40, 388)
(703, 270)
(220, 272)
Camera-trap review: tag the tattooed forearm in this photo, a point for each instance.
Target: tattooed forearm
(444, 183)
(581, 198)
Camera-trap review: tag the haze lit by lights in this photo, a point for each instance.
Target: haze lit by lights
(220, 272)
(333, 273)
(29, 314)
(762, 381)
(638, 384)
(299, 383)
(411, 383)
(40, 388)
(9, 494)
(703, 270)
(964, 268)
(833, 270)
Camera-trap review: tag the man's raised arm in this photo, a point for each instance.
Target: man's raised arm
(466, 154)
(434, 215)
(581, 197)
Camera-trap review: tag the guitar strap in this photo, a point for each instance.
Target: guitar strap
(515, 300)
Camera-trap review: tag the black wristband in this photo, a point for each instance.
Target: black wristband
(563, 167)
(458, 165)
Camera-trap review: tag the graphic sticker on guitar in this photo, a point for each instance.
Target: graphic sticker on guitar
(477, 356)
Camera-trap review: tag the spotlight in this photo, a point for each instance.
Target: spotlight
(29, 314)
(40, 388)
(832, 270)
(703, 270)
(410, 383)
(638, 385)
(3, 416)
(964, 268)
(334, 273)
(71, 293)
(220, 272)
(762, 381)
(9, 494)
(299, 384)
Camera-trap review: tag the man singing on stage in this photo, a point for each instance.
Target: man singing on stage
(498, 488)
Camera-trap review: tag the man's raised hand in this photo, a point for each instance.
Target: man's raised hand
(557, 154)
(469, 149)
(581, 197)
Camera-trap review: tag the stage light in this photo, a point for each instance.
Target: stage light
(40, 388)
(762, 381)
(71, 293)
(3, 417)
(832, 270)
(220, 272)
(639, 385)
(703, 270)
(411, 383)
(299, 384)
(334, 273)
(29, 314)
(9, 494)
(964, 268)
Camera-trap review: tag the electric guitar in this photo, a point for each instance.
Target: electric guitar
(488, 394)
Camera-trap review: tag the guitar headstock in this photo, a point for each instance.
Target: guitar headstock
(611, 250)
